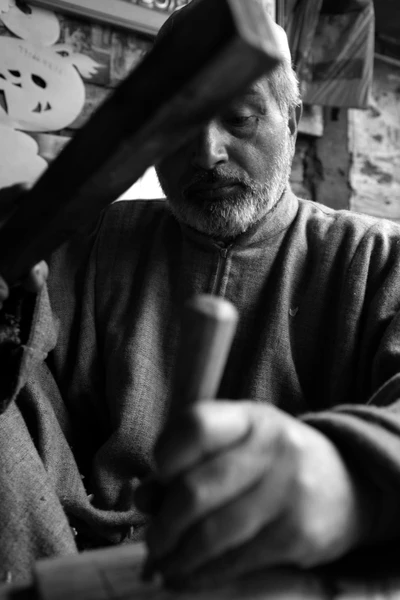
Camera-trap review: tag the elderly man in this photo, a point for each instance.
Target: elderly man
(299, 464)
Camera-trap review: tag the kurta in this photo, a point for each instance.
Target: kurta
(318, 297)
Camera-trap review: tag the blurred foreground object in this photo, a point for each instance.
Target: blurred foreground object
(183, 82)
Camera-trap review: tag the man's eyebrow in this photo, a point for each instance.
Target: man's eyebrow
(253, 92)
(255, 96)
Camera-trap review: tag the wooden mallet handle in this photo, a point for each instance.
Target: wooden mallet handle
(208, 326)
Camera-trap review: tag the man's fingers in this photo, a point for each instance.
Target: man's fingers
(273, 546)
(231, 450)
(199, 433)
(206, 488)
(36, 278)
(229, 527)
(33, 283)
(250, 482)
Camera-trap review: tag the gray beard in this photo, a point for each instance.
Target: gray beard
(228, 217)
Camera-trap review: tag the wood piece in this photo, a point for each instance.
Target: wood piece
(177, 87)
(113, 574)
(208, 327)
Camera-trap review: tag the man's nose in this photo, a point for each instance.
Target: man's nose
(210, 147)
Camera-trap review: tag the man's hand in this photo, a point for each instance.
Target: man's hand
(33, 282)
(247, 486)
(9, 198)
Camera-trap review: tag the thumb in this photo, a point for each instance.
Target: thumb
(36, 278)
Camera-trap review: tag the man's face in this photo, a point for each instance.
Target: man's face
(235, 170)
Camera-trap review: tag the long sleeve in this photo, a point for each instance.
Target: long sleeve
(368, 435)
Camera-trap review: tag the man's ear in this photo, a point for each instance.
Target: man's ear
(294, 119)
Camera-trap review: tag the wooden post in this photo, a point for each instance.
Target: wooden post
(208, 327)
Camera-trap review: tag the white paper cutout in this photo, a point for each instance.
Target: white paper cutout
(43, 90)
(37, 25)
(86, 66)
(20, 161)
(4, 6)
(40, 85)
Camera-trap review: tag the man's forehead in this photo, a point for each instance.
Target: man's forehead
(258, 90)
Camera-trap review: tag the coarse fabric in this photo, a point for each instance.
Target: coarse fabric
(318, 296)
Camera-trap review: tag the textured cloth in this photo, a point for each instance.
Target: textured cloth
(319, 336)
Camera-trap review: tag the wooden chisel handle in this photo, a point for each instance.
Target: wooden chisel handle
(208, 326)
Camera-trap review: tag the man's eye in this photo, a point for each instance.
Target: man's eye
(240, 120)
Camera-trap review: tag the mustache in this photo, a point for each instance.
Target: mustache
(214, 176)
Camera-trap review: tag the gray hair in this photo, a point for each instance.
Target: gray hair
(284, 86)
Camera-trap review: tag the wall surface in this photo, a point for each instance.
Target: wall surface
(321, 165)
(356, 163)
(374, 141)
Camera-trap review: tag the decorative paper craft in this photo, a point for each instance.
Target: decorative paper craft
(40, 87)
(39, 26)
(19, 158)
(4, 6)
(43, 90)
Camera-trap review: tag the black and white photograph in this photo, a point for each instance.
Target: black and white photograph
(199, 299)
